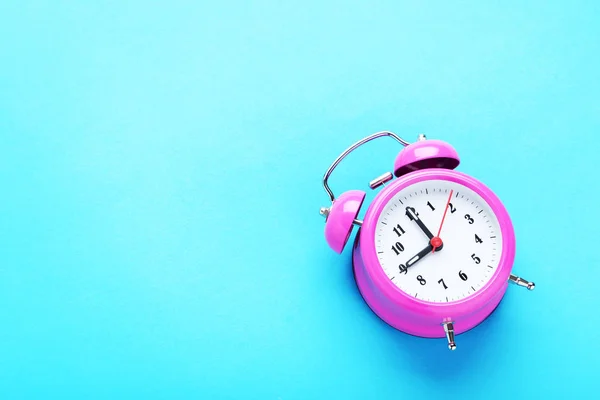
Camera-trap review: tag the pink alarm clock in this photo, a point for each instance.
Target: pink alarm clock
(435, 250)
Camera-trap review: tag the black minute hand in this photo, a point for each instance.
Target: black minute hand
(419, 256)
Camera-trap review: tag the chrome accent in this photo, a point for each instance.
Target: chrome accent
(380, 180)
(324, 211)
(449, 329)
(521, 282)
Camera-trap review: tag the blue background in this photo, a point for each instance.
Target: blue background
(161, 175)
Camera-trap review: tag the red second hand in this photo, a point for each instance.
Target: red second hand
(437, 241)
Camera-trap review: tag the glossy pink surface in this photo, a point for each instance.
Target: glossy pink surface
(418, 317)
(341, 217)
(425, 154)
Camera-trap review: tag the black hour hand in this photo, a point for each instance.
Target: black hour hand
(412, 214)
(419, 256)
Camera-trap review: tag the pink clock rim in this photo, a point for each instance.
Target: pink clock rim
(395, 294)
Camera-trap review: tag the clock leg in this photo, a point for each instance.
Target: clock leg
(449, 329)
(521, 282)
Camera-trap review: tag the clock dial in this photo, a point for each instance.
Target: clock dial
(470, 236)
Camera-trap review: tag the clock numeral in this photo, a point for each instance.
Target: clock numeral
(421, 280)
(413, 211)
(398, 248)
(403, 269)
(452, 208)
(476, 259)
(468, 218)
(431, 206)
(399, 231)
(443, 284)
(478, 239)
(462, 275)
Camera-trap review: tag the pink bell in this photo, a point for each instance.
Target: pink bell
(340, 218)
(425, 154)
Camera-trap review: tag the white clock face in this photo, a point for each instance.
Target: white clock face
(470, 236)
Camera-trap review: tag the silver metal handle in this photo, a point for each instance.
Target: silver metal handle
(353, 147)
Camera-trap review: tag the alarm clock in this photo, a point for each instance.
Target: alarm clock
(434, 253)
